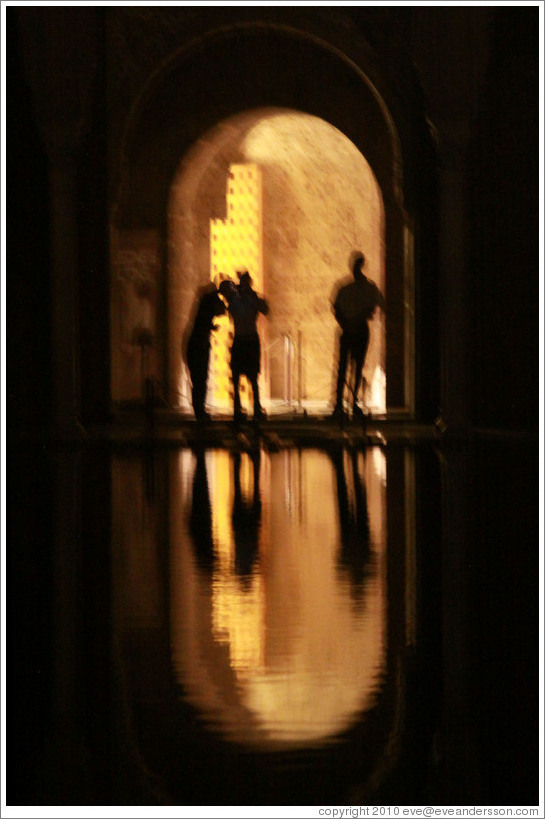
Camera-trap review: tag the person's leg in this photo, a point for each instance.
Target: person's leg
(236, 371)
(359, 357)
(258, 409)
(236, 393)
(200, 380)
(359, 352)
(252, 357)
(196, 396)
(200, 398)
(341, 373)
(196, 389)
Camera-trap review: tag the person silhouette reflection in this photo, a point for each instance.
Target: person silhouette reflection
(244, 306)
(354, 306)
(355, 553)
(200, 521)
(246, 516)
(208, 307)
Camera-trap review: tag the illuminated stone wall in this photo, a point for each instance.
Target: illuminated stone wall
(136, 336)
(320, 203)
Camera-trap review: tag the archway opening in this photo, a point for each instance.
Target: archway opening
(313, 202)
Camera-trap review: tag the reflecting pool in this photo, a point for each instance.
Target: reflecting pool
(259, 623)
(278, 609)
(265, 599)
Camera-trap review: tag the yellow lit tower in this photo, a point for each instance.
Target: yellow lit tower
(236, 243)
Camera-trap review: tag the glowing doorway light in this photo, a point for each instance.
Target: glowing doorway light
(314, 215)
(236, 243)
(377, 390)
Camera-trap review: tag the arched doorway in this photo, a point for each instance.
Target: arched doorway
(206, 84)
(318, 201)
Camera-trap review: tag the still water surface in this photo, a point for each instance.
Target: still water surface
(264, 578)
(277, 596)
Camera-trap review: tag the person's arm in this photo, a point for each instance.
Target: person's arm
(337, 312)
(263, 306)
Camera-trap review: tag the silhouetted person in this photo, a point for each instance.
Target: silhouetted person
(353, 518)
(245, 306)
(198, 347)
(354, 306)
(246, 518)
(200, 522)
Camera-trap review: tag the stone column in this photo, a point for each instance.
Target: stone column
(59, 49)
(450, 52)
(64, 296)
(454, 306)
(450, 48)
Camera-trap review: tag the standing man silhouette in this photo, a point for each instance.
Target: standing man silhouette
(209, 305)
(353, 307)
(244, 306)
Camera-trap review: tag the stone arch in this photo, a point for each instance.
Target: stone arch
(208, 82)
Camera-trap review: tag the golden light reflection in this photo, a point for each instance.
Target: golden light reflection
(237, 616)
(284, 642)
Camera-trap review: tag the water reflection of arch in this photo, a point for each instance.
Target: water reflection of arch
(236, 676)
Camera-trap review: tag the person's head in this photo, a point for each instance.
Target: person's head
(245, 280)
(227, 288)
(358, 262)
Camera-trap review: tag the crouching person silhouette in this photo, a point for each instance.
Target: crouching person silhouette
(209, 305)
(245, 305)
(353, 307)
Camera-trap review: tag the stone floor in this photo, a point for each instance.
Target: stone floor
(279, 430)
